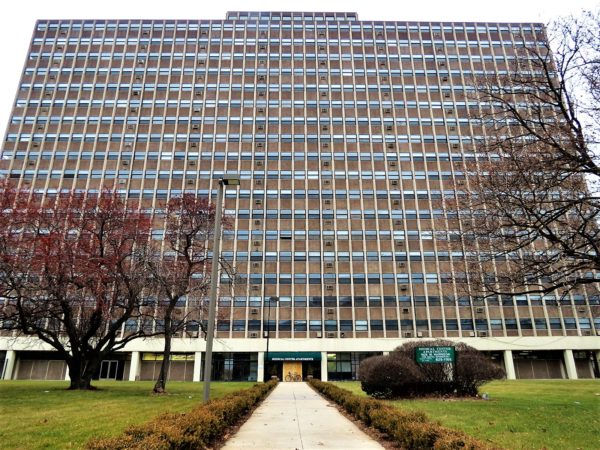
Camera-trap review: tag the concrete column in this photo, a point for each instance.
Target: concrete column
(324, 366)
(197, 375)
(570, 365)
(134, 366)
(260, 374)
(509, 365)
(9, 365)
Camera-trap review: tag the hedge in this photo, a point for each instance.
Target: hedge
(408, 430)
(197, 429)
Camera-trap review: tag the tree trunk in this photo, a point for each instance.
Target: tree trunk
(160, 386)
(81, 373)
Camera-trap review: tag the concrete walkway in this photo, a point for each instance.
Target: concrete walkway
(294, 417)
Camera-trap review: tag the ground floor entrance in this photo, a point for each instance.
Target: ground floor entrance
(293, 366)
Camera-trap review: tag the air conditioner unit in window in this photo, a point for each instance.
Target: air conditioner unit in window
(329, 265)
(194, 144)
(255, 287)
(471, 334)
(319, 334)
(259, 164)
(122, 181)
(192, 163)
(482, 333)
(257, 222)
(256, 243)
(419, 334)
(328, 244)
(325, 163)
(254, 311)
(407, 334)
(190, 182)
(256, 265)
(401, 264)
(581, 310)
(253, 334)
(258, 201)
(125, 163)
(399, 243)
(405, 310)
(330, 334)
(259, 182)
(329, 288)
(327, 202)
(479, 310)
(330, 311)
(404, 288)
(444, 78)
(394, 182)
(195, 127)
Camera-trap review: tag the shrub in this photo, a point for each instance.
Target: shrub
(398, 375)
(411, 430)
(197, 429)
(388, 376)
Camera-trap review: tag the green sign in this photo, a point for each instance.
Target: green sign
(294, 356)
(434, 355)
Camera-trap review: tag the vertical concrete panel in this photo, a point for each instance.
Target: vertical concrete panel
(324, 373)
(570, 364)
(509, 365)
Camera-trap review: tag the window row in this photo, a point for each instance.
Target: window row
(405, 324)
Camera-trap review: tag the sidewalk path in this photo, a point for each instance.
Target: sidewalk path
(294, 417)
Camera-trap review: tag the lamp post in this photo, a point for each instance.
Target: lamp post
(227, 180)
(271, 299)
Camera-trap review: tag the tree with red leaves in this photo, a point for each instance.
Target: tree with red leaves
(181, 269)
(74, 274)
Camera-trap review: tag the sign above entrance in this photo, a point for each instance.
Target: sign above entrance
(294, 356)
(433, 355)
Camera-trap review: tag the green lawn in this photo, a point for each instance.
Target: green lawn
(521, 414)
(43, 415)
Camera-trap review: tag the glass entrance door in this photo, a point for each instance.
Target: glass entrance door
(108, 370)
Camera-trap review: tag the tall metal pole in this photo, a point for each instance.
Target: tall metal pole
(268, 336)
(271, 299)
(214, 281)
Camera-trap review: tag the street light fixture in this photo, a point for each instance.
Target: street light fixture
(226, 180)
(271, 299)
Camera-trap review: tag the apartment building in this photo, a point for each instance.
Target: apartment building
(350, 139)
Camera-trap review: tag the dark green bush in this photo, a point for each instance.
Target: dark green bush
(197, 429)
(408, 430)
(398, 374)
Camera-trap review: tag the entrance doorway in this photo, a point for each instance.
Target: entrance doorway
(292, 371)
(109, 370)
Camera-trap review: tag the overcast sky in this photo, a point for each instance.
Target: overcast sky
(18, 19)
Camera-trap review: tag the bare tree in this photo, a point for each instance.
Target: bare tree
(531, 207)
(73, 274)
(181, 269)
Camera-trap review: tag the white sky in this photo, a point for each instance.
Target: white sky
(18, 19)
